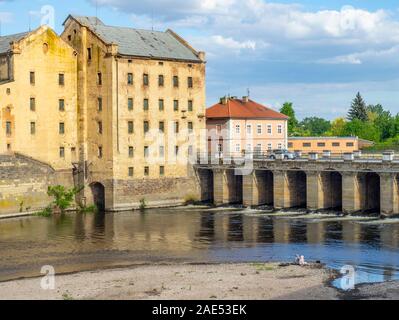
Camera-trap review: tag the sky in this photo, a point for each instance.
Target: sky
(316, 54)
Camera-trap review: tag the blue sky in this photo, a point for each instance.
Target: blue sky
(317, 54)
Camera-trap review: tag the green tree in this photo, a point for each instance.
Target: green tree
(364, 130)
(316, 126)
(358, 109)
(289, 111)
(337, 128)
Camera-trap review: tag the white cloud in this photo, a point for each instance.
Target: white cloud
(230, 43)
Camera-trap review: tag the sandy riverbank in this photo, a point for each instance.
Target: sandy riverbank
(182, 282)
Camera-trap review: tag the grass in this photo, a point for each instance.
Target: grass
(264, 266)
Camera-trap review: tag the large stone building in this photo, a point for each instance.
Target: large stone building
(119, 109)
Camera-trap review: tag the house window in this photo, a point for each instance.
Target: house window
(146, 152)
(249, 147)
(238, 129)
(161, 80)
(32, 104)
(131, 171)
(238, 147)
(190, 105)
(280, 129)
(176, 150)
(130, 78)
(146, 80)
(8, 128)
(218, 128)
(61, 127)
(258, 148)
(161, 127)
(130, 127)
(146, 125)
(350, 144)
(321, 144)
(269, 146)
(100, 152)
(161, 151)
(176, 105)
(130, 104)
(307, 145)
(100, 104)
(61, 105)
(190, 127)
(190, 82)
(161, 171)
(145, 104)
(99, 78)
(259, 129)
(290, 144)
(249, 129)
(176, 127)
(279, 146)
(190, 150)
(176, 81)
(146, 171)
(269, 129)
(61, 79)
(62, 152)
(32, 78)
(131, 152)
(336, 144)
(161, 104)
(88, 53)
(100, 127)
(32, 128)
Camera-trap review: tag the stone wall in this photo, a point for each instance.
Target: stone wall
(24, 183)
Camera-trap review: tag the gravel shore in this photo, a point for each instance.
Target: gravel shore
(183, 282)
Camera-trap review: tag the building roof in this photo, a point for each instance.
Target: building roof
(239, 109)
(141, 43)
(323, 138)
(6, 40)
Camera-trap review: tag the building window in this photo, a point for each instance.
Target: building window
(146, 171)
(32, 128)
(8, 128)
(290, 144)
(190, 127)
(32, 104)
(249, 129)
(100, 152)
(218, 128)
(62, 152)
(350, 144)
(161, 80)
(146, 152)
(280, 129)
(269, 129)
(100, 104)
(146, 80)
(32, 77)
(130, 127)
(336, 144)
(99, 78)
(258, 148)
(161, 171)
(190, 82)
(161, 127)
(190, 105)
(190, 150)
(88, 53)
(61, 127)
(131, 171)
(145, 104)
(61, 79)
(176, 81)
(8, 146)
(238, 129)
(130, 78)
(61, 105)
(307, 145)
(259, 129)
(146, 125)
(131, 152)
(321, 144)
(130, 104)
(269, 146)
(238, 147)
(100, 127)
(176, 150)
(176, 105)
(161, 104)
(279, 146)
(161, 151)
(176, 126)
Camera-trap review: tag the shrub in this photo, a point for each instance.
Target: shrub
(143, 204)
(63, 198)
(190, 199)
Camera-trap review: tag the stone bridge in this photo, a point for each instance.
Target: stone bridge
(348, 184)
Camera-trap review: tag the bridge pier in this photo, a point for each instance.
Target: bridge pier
(389, 196)
(258, 188)
(315, 194)
(351, 201)
(324, 190)
(227, 186)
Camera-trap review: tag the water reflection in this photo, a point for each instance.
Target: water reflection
(82, 242)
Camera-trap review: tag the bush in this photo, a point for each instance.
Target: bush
(87, 209)
(47, 212)
(63, 198)
(143, 204)
(190, 199)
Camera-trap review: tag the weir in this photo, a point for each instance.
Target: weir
(350, 186)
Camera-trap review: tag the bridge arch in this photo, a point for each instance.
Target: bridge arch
(332, 189)
(297, 188)
(98, 195)
(370, 191)
(205, 177)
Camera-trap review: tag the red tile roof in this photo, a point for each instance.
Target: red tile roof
(238, 109)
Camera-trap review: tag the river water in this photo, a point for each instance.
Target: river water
(77, 242)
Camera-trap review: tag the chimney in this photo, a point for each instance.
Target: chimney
(201, 55)
(223, 100)
(245, 99)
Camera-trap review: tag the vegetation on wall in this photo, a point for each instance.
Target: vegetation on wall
(370, 122)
